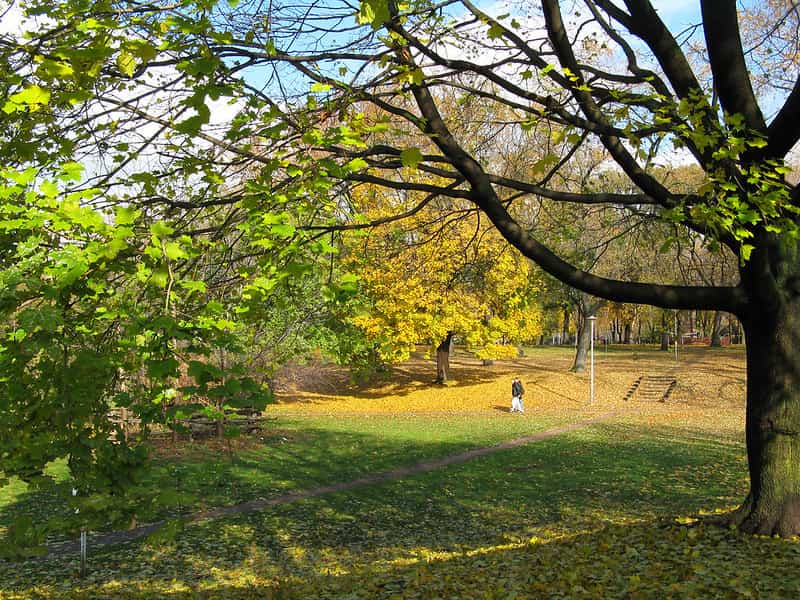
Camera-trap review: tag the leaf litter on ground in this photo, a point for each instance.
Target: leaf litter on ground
(613, 510)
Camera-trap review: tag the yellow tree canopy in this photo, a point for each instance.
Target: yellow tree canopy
(440, 270)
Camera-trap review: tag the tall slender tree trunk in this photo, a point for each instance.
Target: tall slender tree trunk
(627, 334)
(716, 340)
(443, 358)
(773, 420)
(704, 322)
(565, 326)
(664, 342)
(734, 325)
(581, 351)
(587, 307)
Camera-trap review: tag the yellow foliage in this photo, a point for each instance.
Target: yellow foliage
(439, 271)
(492, 351)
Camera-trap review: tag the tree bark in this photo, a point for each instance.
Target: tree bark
(664, 342)
(443, 358)
(565, 327)
(716, 340)
(704, 323)
(587, 307)
(627, 334)
(735, 329)
(773, 421)
(584, 335)
(664, 334)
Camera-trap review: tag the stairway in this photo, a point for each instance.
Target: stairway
(652, 388)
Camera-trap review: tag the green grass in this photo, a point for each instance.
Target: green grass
(586, 512)
(607, 511)
(295, 454)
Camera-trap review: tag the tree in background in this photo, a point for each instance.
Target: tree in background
(435, 275)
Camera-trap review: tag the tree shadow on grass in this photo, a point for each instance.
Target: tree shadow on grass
(614, 561)
(562, 486)
(319, 383)
(315, 383)
(651, 559)
(280, 464)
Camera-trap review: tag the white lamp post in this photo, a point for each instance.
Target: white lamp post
(676, 336)
(592, 319)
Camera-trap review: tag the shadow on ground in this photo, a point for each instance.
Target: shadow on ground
(439, 533)
(610, 562)
(318, 382)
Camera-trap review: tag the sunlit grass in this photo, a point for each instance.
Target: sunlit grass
(604, 511)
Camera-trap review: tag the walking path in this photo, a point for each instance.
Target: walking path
(118, 537)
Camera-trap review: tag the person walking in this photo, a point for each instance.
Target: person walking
(517, 391)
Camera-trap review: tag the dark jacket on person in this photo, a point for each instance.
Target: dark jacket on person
(517, 389)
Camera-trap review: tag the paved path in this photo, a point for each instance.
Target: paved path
(118, 537)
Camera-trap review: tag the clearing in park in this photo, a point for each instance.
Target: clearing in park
(401, 489)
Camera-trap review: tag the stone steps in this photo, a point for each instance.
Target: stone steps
(651, 388)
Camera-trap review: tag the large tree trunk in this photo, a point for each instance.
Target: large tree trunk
(773, 420)
(443, 358)
(627, 334)
(716, 340)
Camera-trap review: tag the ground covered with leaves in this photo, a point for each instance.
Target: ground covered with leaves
(616, 509)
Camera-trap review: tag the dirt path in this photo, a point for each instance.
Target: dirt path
(118, 537)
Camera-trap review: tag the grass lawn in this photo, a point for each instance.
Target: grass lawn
(603, 511)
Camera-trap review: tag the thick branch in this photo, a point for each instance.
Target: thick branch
(730, 299)
(573, 197)
(409, 185)
(784, 132)
(563, 48)
(483, 194)
(646, 24)
(726, 56)
(506, 182)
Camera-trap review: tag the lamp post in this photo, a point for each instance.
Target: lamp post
(592, 319)
(676, 336)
